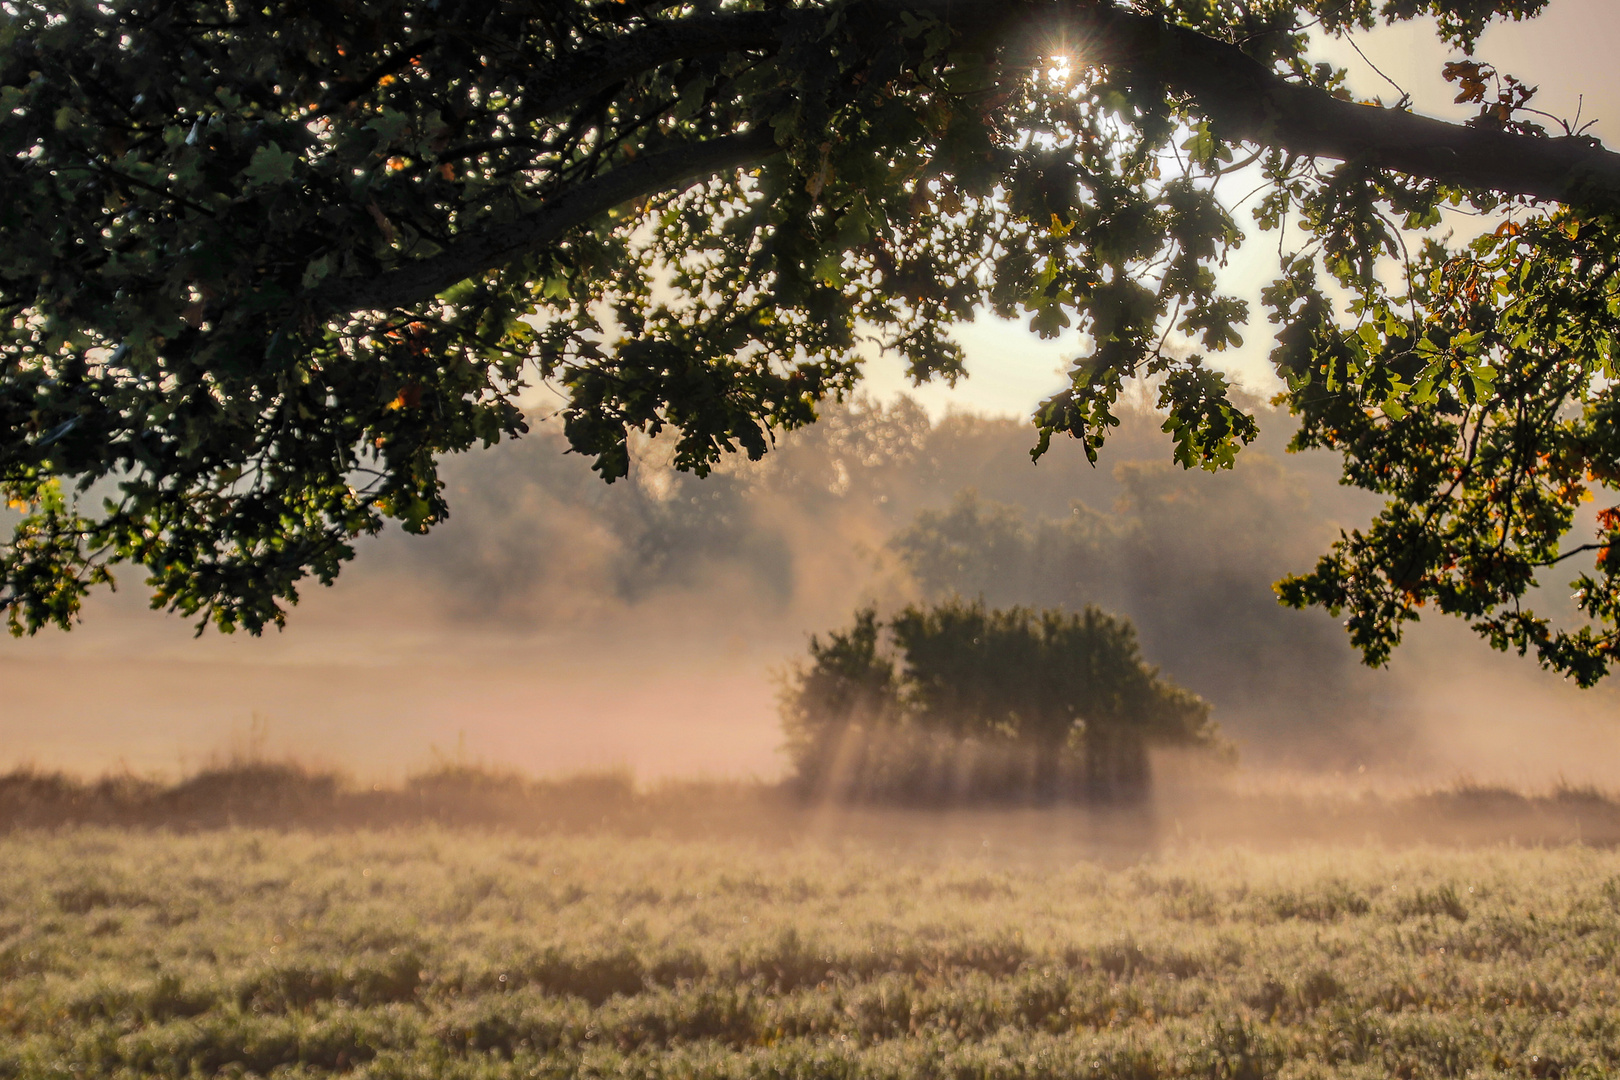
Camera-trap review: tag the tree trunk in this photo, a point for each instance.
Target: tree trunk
(1046, 774)
(1116, 769)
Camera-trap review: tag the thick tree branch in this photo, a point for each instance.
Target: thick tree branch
(1246, 100)
(662, 41)
(1240, 96)
(498, 244)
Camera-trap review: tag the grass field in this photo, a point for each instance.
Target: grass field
(429, 952)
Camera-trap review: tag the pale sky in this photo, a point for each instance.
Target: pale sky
(1569, 52)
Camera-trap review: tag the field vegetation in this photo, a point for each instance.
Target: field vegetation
(1011, 944)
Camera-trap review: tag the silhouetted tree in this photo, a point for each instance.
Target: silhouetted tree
(1068, 693)
(1188, 558)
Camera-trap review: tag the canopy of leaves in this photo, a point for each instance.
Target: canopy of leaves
(262, 266)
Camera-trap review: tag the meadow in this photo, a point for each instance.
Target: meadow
(994, 946)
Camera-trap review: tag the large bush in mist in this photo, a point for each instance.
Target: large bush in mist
(959, 701)
(1190, 560)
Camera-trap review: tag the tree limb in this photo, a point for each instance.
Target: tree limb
(1242, 98)
(1248, 101)
(662, 41)
(498, 244)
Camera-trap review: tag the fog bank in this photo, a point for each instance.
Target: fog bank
(557, 624)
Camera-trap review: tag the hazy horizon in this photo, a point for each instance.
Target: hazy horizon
(556, 625)
(660, 660)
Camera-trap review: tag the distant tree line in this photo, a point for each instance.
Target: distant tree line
(960, 702)
(878, 501)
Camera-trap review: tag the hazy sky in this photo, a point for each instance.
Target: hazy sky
(362, 677)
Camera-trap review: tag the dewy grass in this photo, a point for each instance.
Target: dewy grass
(436, 953)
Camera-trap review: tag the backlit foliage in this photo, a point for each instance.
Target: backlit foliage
(262, 267)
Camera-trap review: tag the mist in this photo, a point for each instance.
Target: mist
(557, 624)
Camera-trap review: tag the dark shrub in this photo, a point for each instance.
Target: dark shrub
(973, 703)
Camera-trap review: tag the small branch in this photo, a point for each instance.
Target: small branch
(1571, 553)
